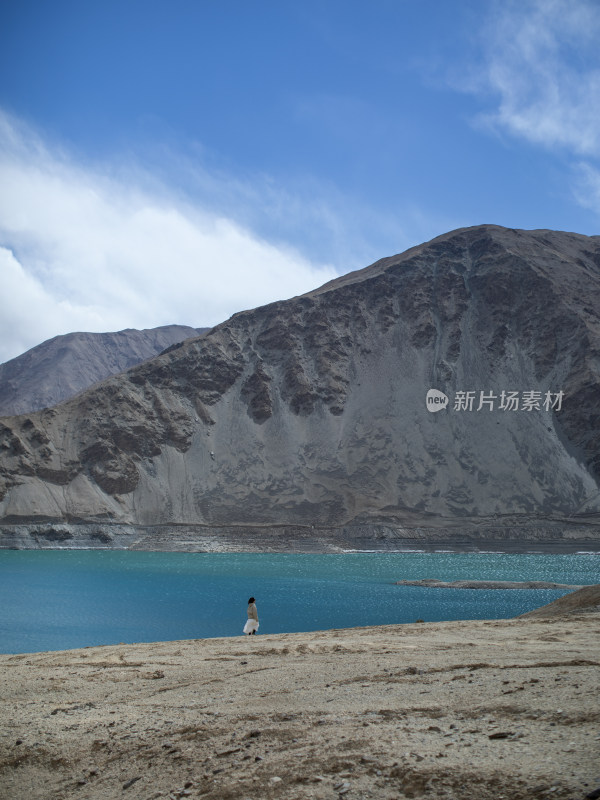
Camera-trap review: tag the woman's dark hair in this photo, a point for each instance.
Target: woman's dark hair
(251, 600)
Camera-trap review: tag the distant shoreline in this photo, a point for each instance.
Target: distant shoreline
(550, 548)
(547, 537)
(316, 547)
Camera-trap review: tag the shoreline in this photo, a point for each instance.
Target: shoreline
(489, 547)
(568, 600)
(510, 535)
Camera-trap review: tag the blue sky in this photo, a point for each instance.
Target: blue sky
(177, 161)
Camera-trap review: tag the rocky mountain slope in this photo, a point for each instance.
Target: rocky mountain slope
(65, 365)
(306, 421)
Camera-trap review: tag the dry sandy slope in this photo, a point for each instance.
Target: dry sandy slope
(469, 710)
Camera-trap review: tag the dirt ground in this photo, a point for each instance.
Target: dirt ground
(467, 710)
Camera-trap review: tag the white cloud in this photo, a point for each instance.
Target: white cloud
(326, 223)
(542, 60)
(587, 186)
(28, 314)
(96, 249)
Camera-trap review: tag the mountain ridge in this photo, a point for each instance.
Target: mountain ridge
(67, 364)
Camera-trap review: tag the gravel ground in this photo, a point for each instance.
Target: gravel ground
(465, 710)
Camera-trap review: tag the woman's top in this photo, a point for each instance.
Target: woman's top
(252, 612)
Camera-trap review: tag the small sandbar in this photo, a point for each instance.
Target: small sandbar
(433, 583)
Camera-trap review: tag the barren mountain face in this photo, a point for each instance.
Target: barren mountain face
(314, 417)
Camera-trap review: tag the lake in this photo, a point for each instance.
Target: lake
(60, 599)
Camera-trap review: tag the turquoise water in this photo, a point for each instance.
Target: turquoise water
(54, 600)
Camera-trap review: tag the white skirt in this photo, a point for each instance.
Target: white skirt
(251, 625)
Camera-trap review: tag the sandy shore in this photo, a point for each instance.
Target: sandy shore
(470, 710)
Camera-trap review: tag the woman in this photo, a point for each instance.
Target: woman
(252, 625)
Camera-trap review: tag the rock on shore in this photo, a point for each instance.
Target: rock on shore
(586, 600)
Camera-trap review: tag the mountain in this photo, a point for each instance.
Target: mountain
(65, 365)
(305, 423)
